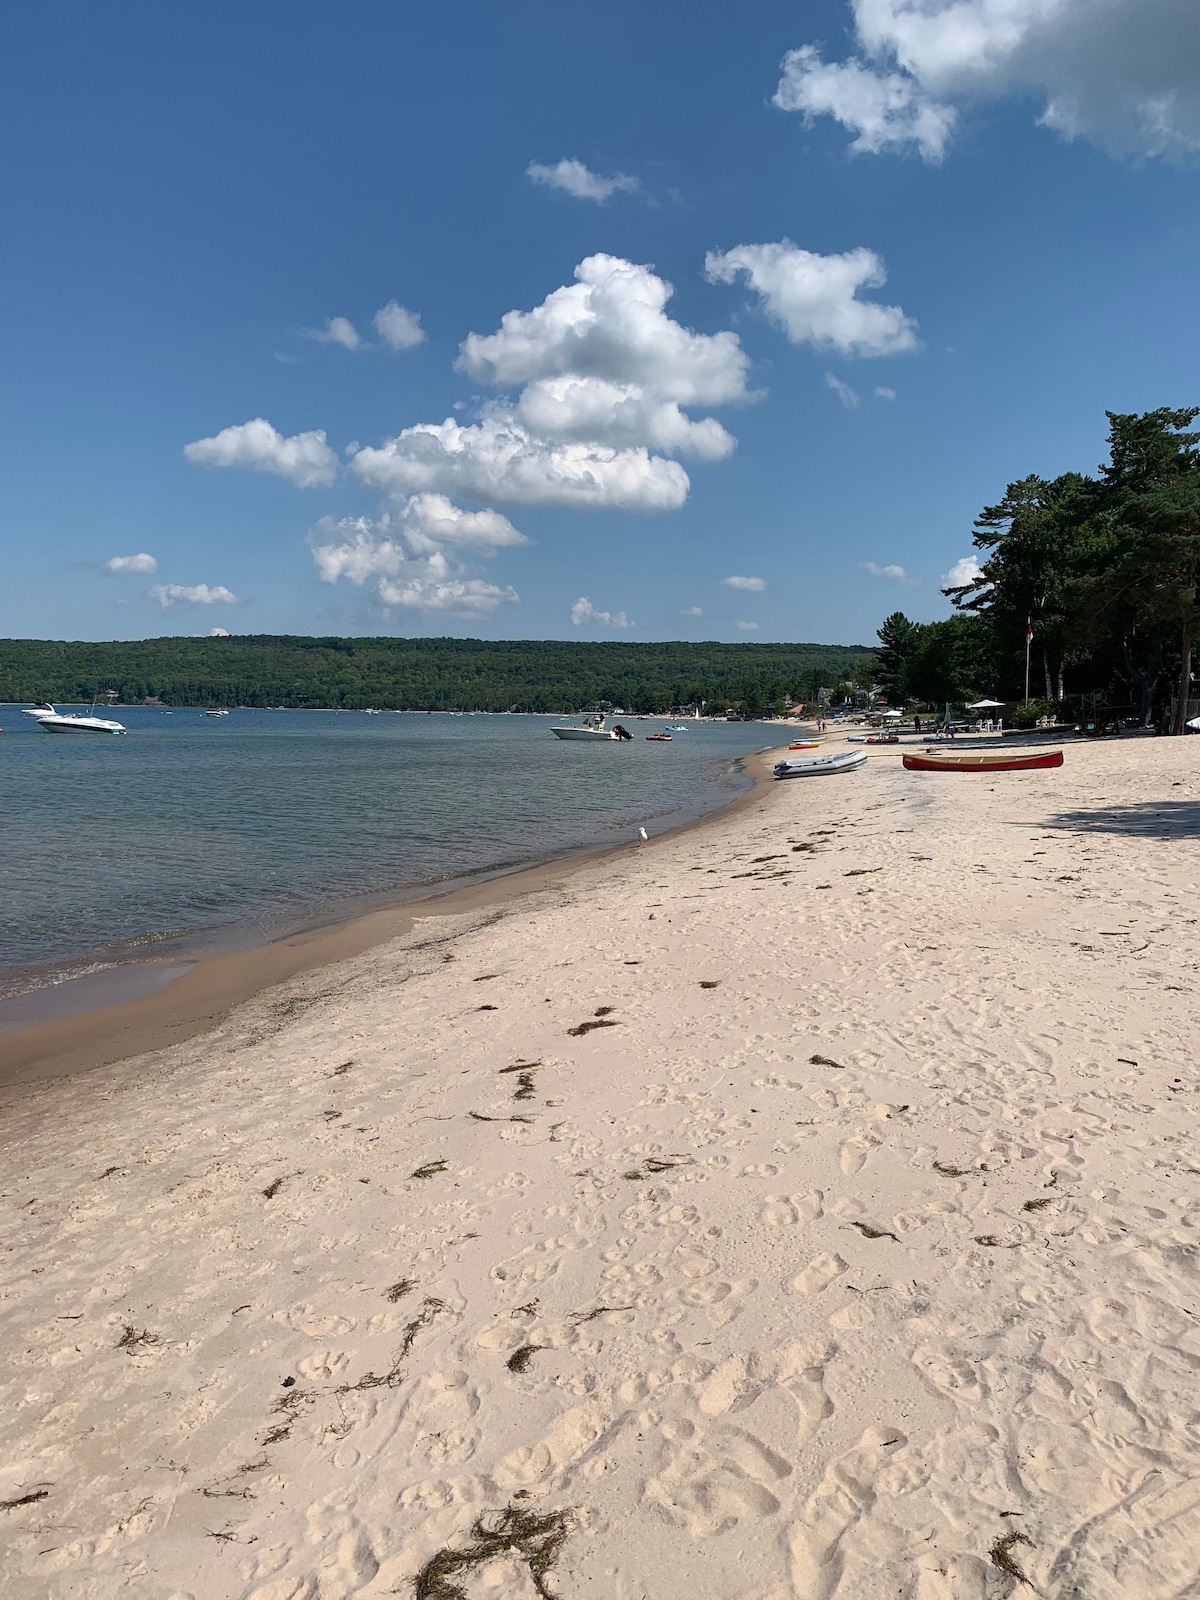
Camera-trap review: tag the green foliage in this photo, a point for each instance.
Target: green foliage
(424, 674)
(947, 661)
(1106, 569)
(896, 639)
(1029, 716)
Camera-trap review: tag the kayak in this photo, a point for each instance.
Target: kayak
(658, 738)
(988, 761)
(818, 766)
(806, 744)
(882, 738)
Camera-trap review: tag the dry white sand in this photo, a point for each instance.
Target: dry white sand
(741, 1323)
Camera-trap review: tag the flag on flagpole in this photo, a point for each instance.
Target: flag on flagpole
(1028, 630)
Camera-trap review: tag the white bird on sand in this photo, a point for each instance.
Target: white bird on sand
(643, 833)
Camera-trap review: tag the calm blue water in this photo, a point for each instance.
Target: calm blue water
(191, 828)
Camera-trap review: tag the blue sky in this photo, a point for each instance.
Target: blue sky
(986, 209)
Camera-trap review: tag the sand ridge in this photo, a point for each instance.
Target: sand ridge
(803, 1206)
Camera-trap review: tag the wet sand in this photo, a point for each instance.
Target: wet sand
(204, 993)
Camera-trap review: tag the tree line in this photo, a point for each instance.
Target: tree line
(425, 674)
(1104, 571)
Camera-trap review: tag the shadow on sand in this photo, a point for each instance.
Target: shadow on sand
(1150, 819)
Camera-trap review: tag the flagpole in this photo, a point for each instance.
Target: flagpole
(1028, 646)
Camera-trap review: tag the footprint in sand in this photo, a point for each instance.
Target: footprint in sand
(785, 1210)
(819, 1273)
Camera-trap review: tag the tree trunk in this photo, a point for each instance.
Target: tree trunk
(1146, 679)
(1061, 669)
(1185, 681)
(1046, 665)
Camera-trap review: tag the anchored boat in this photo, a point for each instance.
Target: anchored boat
(985, 761)
(74, 722)
(592, 728)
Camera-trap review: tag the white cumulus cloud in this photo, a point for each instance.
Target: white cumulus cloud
(611, 323)
(142, 562)
(892, 571)
(338, 330)
(584, 611)
(218, 633)
(570, 176)
(499, 459)
(413, 556)
(192, 594)
(815, 298)
(604, 379)
(304, 459)
(884, 110)
(398, 327)
(964, 571)
(755, 585)
(691, 611)
(1124, 74)
(849, 397)
(748, 627)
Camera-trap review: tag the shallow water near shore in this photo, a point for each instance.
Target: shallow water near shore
(195, 832)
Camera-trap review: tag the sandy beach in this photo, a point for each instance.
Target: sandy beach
(805, 1204)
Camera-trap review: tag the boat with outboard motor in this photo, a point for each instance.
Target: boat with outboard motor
(592, 728)
(820, 766)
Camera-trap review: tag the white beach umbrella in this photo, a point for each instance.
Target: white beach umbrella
(986, 705)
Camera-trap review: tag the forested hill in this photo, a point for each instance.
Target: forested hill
(421, 674)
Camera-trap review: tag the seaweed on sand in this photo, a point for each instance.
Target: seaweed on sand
(24, 1499)
(1002, 1558)
(400, 1288)
(536, 1539)
(825, 1061)
(520, 1359)
(430, 1307)
(131, 1339)
(597, 1022)
(429, 1170)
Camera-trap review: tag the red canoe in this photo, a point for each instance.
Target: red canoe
(986, 761)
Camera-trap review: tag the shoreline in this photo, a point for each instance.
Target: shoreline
(213, 985)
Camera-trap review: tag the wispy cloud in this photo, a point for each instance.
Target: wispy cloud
(748, 627)
(692, 611)
(884, 394)
(849, 397)
(192, 594)
(754, 585)
(338, 330)
(892, 571)
(570, 176)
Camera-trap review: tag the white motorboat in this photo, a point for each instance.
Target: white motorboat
(592, 728)
(819, 766)
(217, 713)
(73, 722)
(42, 709)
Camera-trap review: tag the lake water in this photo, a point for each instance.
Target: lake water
(197, 832)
